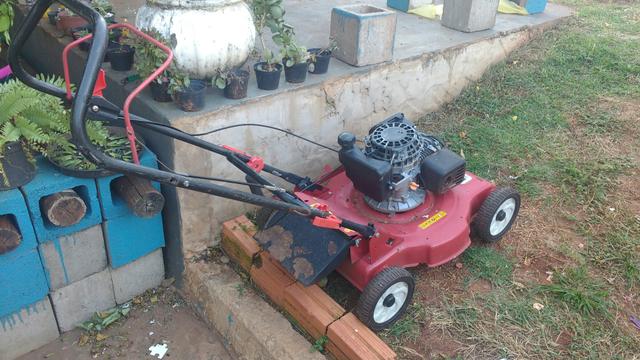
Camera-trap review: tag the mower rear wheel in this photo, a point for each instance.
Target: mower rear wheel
(497, 214)
(385, 298)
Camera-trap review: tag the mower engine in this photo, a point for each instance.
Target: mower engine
(398, 165)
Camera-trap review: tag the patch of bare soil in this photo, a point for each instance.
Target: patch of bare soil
(160, 316)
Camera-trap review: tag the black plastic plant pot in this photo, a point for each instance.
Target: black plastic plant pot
(191, 99)
(53, 17)
(112, 46)
(267, 80)
(15, 167)
(320, 62)
(160, 91)
(121, 58)
(237, 85)
(297, 73)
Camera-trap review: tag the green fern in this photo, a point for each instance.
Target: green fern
(16, 100)
(41, 122)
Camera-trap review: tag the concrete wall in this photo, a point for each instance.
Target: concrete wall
(414, 86)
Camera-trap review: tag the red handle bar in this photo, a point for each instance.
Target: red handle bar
(127, 103)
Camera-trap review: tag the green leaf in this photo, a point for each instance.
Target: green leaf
(220, 83)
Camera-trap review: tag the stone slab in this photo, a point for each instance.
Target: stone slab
(72, 258)
(250, 326)
(22, 281)
(137, 277)
(29, 329)
(77, 302)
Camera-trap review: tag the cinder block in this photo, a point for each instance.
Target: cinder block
(49, 181)
(238, 242)
(111, 204)
(130, 237)
(270, 277)
(14, 206)
(365, 34)
(312, 308)
(22, 281)
(406, 5)
(350, 339)
(136, 277)
(77, 302)
(31, 328)
(532, 6)
(74, 257)
(470, 15)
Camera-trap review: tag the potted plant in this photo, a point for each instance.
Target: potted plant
(188, 94)
(268, 13)
(268, 71)
(67, 20)
(52, 14)
(148, 58)
(6, 20)
(104, 8)
(294, 56)
(319, 58)
(21, 108)
(79, 32)
(234, 83)
(55, 124)
(121, 56)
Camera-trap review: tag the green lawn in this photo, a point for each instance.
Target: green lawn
(560, 121)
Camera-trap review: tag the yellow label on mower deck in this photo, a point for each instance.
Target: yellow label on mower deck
(432, 220)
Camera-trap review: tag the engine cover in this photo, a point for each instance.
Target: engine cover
(396, 142)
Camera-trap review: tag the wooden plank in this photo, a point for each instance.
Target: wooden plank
(270, 277)
(312, 308)
(350, 339)
(238, 242)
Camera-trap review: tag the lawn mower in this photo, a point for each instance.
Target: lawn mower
(401, 200)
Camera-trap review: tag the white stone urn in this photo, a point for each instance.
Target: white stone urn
(207, 34)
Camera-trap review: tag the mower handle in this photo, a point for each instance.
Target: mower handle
(98, 49)
(82, 101)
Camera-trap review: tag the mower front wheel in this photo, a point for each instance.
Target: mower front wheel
(385, 298)
(497, 214)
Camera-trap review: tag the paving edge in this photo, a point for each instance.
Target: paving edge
(248, 324)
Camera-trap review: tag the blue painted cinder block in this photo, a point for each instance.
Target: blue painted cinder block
(12, 204)
(22, 281)
(402, 5)
(113, 206)
(535, 6)
(130, 237)
(49, 181)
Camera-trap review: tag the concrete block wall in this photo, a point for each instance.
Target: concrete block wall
(59, 277)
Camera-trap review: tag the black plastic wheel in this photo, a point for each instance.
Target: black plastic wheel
(385, 298)
(497, 214)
